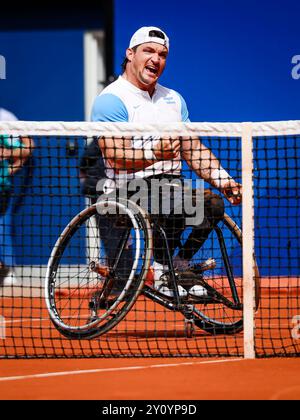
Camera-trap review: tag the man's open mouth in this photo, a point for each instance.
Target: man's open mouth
(151, 69)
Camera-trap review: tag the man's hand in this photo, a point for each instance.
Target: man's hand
(233, 192)
(5, 153)
(167, 149)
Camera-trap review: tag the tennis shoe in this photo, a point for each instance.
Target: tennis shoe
(209, 264)
(165, 290)
(197, 291)
(161, 284)
(191, 282)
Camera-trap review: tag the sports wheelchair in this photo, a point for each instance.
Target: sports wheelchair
(83, 293)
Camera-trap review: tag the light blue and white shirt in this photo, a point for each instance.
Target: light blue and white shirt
(121, 101)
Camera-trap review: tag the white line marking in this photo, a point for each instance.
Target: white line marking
(23, 320)
(120, 369)
(285, 393)
(178, 324)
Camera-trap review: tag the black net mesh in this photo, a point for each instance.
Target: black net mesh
(276, 193)
(85, 277)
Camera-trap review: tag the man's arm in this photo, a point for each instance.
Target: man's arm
(18, 155)
(121, 155)
(205, 164)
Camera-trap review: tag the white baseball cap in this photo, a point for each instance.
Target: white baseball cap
(149, 34)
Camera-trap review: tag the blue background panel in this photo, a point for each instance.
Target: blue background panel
(44, 74)
(231, 60)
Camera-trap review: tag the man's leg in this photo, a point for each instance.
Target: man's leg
(213, 213)
(173, 228)
(173, 225)
(110, 235)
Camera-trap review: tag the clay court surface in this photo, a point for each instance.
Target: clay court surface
(97, 374)
(155, 379)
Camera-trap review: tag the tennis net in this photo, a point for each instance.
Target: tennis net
(83, 272)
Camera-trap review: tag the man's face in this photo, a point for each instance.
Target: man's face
(147, 63)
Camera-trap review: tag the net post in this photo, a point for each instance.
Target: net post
(248, 241)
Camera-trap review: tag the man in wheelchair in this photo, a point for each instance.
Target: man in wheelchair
(136, 96)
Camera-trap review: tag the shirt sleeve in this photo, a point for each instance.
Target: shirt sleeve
(11, 142)
(184, 110)
(109, 108)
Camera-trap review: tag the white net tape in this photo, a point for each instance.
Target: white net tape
(106, 129)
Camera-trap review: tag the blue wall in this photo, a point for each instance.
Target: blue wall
(231, 60)
(44, 74)
(44, 81)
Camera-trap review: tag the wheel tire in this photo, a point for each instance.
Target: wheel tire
(124, 302)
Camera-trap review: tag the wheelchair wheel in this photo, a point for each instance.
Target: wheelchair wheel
(221, 312)
(85, 295)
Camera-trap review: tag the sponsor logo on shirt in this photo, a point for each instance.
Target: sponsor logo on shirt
(169, 100)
